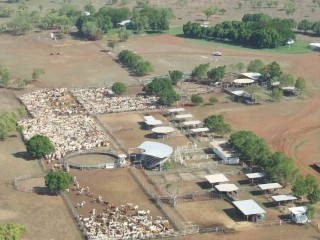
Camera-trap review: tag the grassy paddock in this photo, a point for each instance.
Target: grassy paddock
(299, 47)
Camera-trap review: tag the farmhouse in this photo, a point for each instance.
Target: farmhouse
(251, 75)
(225, 152)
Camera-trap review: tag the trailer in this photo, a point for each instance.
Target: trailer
(225, 152)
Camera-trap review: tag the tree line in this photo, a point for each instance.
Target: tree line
(255, 30)
(135, 63)
(306, 25)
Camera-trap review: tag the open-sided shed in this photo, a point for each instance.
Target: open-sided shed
(254, 176)
(216, 178)
(283, 198)
(250, 209)
(269, 186)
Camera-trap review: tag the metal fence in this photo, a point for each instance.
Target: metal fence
(17, 183)
(74, 214)
(157, 200)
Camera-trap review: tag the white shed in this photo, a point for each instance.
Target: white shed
(299, 214)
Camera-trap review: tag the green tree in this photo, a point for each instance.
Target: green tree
(290, 7)
(217, 74)
(252, 89)
(11, 231)
(6, 11)
(118, 88)
(304, 25)
(200, 71)
(123, 34)
(143, 68)
(311, 212)
(286, 80)
(255, 65)
(4, 76)
(176, 76)
(168, 96)
(36, 73)
(272, 70)
(299, 188)
(281, 169)
(112, 44)
(7, 123)
(314, 196)
(213, 100)
(89, 8)
(216, 124)
(158, 85)
(196, 99)
(39, 146)
(210, 11)
(276, 94)
(58, 181)
(249, 145)
(91, 31)
(301, 84)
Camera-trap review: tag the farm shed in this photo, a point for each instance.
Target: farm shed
(176, 110)
(299, 214)
(257, 175)
(269, 186)
(250, 209)
(225, 152)
(216, 178)
(151, 121)
(283, 198)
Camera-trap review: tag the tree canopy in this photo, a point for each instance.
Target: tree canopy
(58, 181)
(11, 231)
(39, 146)
(216, 124)
(250, 146)
(255, 65)
(196, 99)
(118, 88)
(8, 122)
(257, 30)
(200, 71)
(216, 74)
(276, 94)
(135, 63)
(176, 76)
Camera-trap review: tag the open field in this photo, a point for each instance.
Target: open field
(291, 126)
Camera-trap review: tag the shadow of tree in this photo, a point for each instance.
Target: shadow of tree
(24, 155)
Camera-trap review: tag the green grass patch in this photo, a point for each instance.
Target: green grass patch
(175, 30)
(299, 47)
(296, 147)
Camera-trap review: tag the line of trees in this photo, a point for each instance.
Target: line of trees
(306, 25)
(135, 63)
(278, 166)
(202, 70)
(255, 30)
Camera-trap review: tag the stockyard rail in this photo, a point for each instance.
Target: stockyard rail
(174, 219)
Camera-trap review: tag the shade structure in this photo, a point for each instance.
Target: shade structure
(191, 123)
(243, 81)
(256, 175)
(268, 186)
(283, 197)
(251, 75)
(227, 187)
(198, 130)
(182, 116)
(151, 121)
(216, 178)
(298, 210)
(176, 110)
(163, 130)
(249, 207)
(156, 149)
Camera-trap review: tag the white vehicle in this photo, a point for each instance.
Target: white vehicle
(290, 41)
(217, 54)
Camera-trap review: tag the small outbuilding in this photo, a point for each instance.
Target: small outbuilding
(250, 210)
(255, 176)
(299, 214)
(223, 150)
